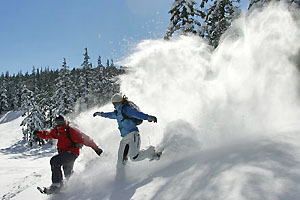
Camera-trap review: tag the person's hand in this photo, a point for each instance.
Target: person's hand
(35, 132)
(97, 114)
(98, 151)
(152, 119)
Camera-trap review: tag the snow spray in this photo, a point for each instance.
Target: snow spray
(206, 102)
(247, 86)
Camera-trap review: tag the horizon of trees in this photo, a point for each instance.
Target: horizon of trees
(46, 93)
(210, 19)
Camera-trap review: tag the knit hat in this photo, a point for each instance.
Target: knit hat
(60, 121)
(116, 98)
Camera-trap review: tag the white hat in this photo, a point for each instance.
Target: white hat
(116, 98)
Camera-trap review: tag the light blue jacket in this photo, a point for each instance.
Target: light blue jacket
(126, 125)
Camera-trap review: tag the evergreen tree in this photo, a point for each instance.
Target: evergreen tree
(183, 13)
(99, 62)
(34, 118)
(112, 63)
(10, 91)
(45, 93)
(86, 64)
(110, 85)
(17, 91)
(217, 18)
(86, 83)
(100, 80)
(63, 97)
(3, 94)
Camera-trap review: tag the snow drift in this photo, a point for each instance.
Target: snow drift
(228, 119)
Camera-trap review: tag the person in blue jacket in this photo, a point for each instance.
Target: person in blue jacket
(130, 144)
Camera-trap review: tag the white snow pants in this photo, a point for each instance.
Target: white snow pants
(130, 147)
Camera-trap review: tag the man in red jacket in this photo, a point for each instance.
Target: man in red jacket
(68, 145)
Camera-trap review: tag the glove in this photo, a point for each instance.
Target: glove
(152, 119)
(35, 132)
(97, 114)
(98, 151)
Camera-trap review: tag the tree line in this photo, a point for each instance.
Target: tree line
(46, 93)
(210, 18)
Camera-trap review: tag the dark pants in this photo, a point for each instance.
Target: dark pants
(66, 160)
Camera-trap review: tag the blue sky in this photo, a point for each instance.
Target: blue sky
(41, 33)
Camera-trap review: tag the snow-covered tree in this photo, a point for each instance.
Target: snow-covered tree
(17, 84)
(99, 80)
(183, 13)
(217, 18)
(54, 92)
(86, 83)
(86, 63)
(110, 85)
(34, 117)
(3, 94)
(63, 98)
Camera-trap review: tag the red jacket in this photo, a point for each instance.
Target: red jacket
(64, 143)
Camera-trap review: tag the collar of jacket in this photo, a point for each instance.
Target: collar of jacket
(63, 127)
(118, 107)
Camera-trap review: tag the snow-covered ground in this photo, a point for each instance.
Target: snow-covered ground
(228, 120)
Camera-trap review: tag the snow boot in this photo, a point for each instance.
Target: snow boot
(157, 155)
(53, 189)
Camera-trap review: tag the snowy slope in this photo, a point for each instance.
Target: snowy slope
(228, 120)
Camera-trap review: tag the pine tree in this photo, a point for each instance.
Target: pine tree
(86, 64)
(110, 85)
(10, 91)
(44, 93)
(17, 84)
(217, 18)
(34, 117)
(100, 80)
(112, 63)
(86, 83)
(99, 62)
(183, 13)
(63, 97)
(3, 94)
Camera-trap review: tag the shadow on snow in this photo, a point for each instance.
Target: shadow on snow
(249, 170)
(22, 150)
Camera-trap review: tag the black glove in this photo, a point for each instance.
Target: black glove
(98, 151)
(35, 132)
(97, 114)
(152, 119)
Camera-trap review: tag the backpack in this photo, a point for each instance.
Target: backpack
(73, 144)
(125, 103)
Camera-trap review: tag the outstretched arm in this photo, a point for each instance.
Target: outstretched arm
(45, 134)
(110, 115)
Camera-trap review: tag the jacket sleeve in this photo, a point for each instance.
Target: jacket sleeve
(79, 137)
(110, 115)
(47, 134)
(132, 112)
